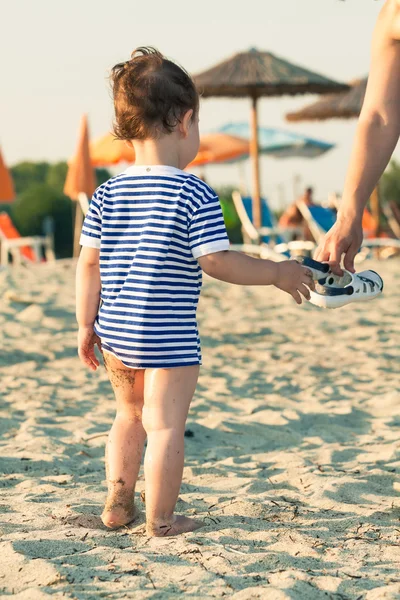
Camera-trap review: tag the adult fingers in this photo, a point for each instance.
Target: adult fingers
(350, 256)
(335, 256)
(321, 253)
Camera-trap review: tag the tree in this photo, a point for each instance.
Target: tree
(39, 188)
(34, 205)
(390, 183)
(232, 221)
(26, 173)
(56, 175)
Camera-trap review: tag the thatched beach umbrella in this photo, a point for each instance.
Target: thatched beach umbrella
(255, 74)
(346, 105)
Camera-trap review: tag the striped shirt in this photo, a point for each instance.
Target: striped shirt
(151, 224)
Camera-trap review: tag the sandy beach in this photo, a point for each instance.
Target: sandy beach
(292, 452)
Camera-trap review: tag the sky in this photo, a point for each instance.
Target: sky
(56, 56)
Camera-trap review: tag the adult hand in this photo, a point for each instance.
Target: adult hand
(345, 237)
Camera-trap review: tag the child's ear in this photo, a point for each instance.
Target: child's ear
(186, 123)
(128, 143)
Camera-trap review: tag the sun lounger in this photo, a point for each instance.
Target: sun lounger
(320, 220)
(269, 240)
(22, 249)
(392, 213)
(83, 202)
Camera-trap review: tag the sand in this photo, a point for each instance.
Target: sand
(292, 453)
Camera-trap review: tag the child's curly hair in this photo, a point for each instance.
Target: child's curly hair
(151, 95)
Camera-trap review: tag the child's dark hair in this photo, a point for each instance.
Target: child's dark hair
(151, 95)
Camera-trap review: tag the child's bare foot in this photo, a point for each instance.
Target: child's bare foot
(177, 526)
(119, 509)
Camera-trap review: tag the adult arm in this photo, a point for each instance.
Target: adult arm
(376, 137)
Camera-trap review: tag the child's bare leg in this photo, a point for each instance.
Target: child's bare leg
(167, 397)
(125, 443)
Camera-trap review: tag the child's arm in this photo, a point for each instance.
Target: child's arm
(88, 288)
(241, 269)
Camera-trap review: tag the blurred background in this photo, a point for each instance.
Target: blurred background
(55, 60)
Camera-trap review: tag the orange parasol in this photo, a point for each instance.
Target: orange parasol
(218, 148)
(108, 150)
(7, 192)
(80, 178)
(214, 148)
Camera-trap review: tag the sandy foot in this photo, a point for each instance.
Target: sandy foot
(179, 525)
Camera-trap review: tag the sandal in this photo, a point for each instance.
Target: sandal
(335, 291)
(319, 270)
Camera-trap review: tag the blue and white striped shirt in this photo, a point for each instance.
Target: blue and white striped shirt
(151, 224)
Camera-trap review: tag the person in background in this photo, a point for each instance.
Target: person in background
(377, 134)
(293, 219)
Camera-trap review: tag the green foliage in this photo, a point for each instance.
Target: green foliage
(231, 218)
(390, 183)
(39, 188)
(56, 175)
(39, 201)
(27, 173)
(102, 175)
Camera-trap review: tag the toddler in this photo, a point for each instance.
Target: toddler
(149, 234)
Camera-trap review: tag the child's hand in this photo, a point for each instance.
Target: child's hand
(87, 339)
(294, 279)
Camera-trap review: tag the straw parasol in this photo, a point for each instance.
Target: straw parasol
(80, 178)
(255, 74)
(7, 192)
(346, 105)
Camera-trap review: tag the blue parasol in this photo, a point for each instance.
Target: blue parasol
(279, 143)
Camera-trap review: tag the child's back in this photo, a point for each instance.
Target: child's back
(147, 237)
(151, 224)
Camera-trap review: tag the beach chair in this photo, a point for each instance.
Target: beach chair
(83, 202)
(320, 220)
(269, 241)
(22, 249)
(392, 214)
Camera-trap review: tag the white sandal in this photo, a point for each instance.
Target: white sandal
(319, 270)
(335, 291)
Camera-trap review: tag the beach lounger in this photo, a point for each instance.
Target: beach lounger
(83, 202)
(392, 213)
(22, 249)
(269, 241)
(320, 220)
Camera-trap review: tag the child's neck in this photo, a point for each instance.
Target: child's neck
(156, 152)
